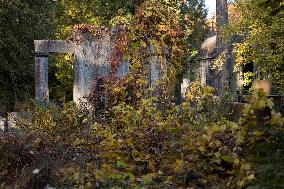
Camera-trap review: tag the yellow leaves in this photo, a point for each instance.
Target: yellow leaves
(259, 133)
(246, 167)
(251, 177)
(228, 159)
(68, 57)
(269, 103)
(143, 44)
(155, 47)
(277, 119)
(219, 62)
(261, 104)
(148, 179)
(117, 89)
(163, 27)
(179, 166)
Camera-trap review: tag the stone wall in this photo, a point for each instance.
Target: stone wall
(16, 121)
(93, 56)
(94, 52)
(92, 60)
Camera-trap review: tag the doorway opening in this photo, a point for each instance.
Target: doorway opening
(61, 77)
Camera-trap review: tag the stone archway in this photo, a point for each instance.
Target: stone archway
(92, 60)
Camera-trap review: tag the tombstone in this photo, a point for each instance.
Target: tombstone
(122, 69)
(92, 60)
(184, 87)
(42, 49)
(2, 123)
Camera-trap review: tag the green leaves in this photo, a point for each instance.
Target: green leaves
(21, 22)
(228, 159)
(260, 43)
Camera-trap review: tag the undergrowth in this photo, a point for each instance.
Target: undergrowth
(192, 145)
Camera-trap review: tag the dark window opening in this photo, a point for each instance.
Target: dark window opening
(248, 71)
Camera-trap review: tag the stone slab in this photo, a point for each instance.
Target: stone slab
(53, 46)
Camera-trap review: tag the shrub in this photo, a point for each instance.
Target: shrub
(140, 145)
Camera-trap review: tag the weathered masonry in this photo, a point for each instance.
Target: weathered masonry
(42, 49)
(92, 60)
(221, 78)
(93, 56)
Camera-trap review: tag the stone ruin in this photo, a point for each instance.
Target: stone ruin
(225, 80)
(93, 56)
(222, 79)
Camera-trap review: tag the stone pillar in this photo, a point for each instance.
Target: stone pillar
(41, 78)
(122, 69)
(155, 72)
(203, 75)
(93, 56)
(158, 65)
(184, 87)
(221, 19)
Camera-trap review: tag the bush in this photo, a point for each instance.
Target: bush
(142, 146)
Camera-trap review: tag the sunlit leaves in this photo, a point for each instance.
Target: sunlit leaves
(260, 38)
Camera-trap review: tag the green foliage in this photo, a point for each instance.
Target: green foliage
(259, 28)
(61, 77)
(141, 146)
(265, 136)
(21, 22)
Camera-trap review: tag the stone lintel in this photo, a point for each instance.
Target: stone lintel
(44, 47)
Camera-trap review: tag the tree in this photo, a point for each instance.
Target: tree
(261, 32)
(193, 19)
(21, 21)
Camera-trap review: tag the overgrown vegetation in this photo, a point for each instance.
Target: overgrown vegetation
(141, 146)
(257, 25)
(131, 134)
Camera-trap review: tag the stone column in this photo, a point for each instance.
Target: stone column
(158, 65)
(41, 78)
(42, 50)
(156, 68)
(155, 72)
(203, 75)
(122, 69)
(221, 19)
(93, 56)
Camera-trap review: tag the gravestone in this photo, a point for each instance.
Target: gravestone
(185, 87)
(2, 123)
